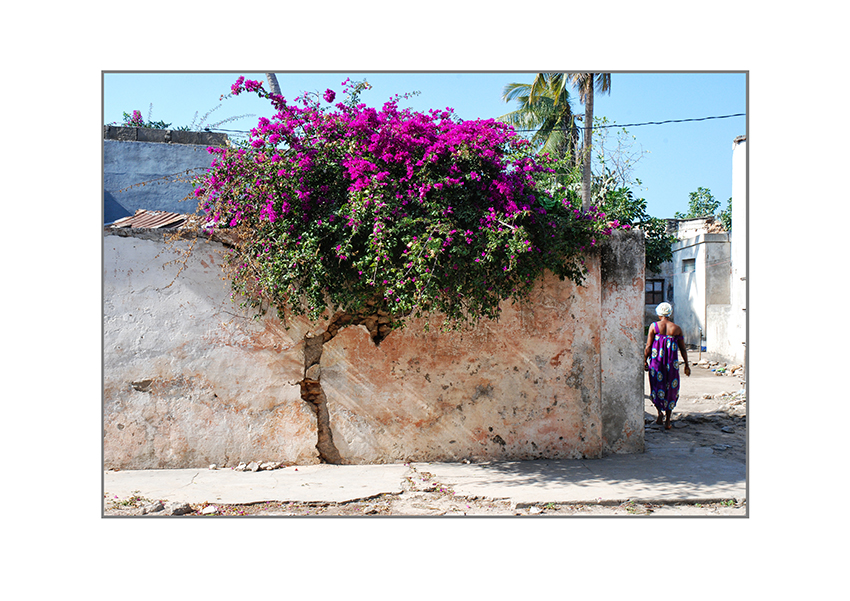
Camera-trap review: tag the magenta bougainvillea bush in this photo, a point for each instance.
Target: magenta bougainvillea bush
(345, 207)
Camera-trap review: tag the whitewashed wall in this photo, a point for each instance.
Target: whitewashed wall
(191, 379)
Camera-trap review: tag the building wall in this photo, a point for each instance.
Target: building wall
(163, 160)
(623, 298)
(711, 301)
(737, 335)
(190, 378)
(717, 333)
(707, 284)
(682, 230)
(664, 273)
(726, 315)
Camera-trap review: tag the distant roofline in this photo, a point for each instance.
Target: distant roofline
(714, 217)
(121, 133)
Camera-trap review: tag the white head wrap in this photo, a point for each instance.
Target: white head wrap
(664, 310)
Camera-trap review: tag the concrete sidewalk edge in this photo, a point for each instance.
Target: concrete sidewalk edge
(608, 481)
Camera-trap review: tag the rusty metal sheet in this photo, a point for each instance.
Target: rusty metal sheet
(145, 219)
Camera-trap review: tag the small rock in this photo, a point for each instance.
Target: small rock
(213, 466)
(142, 385)
(708, 396)
(176, 508)
(534, 510)
(728, 429)
(152, 507)
(241, 467)
(209, 510)
(314, 372)
(253, 466)
(721, 447)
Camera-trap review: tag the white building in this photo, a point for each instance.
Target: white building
(728, 340)
(706, 282)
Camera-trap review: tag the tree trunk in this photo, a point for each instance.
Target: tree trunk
(588, 135)
(274, 88)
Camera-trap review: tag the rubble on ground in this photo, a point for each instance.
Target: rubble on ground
(254, 466)
(720, 368)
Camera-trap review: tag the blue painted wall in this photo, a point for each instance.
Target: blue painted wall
(164, 161)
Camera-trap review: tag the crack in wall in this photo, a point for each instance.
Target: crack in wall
(314, 396)
(379, 326)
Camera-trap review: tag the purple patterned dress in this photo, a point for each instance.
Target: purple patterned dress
(664, 371)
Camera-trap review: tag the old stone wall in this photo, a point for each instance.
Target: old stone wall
(623, 273)
(191, 378)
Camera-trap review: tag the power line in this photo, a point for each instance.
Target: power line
(650, 122)
(236, 131)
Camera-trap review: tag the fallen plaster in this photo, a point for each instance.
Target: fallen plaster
(378, 325)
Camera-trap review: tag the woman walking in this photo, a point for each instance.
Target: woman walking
(661, 356)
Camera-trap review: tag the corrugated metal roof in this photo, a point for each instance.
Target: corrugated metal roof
(151, 220)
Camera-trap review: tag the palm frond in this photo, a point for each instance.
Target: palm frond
(543, 107)
(600, 82)
(513, 91)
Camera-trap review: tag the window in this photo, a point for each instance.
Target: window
(654, 292)
(689, 265)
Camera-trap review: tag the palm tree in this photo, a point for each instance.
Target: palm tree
(586, 83)
(274, 88)
(544, 106)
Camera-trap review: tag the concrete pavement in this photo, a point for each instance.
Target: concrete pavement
(664, 474)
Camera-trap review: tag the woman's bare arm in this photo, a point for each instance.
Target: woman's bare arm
(684, 352)
(648, 348)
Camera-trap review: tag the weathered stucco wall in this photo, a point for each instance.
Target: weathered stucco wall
(190, 378)
(623, 274)
(717, 333)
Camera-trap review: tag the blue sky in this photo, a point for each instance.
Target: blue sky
(677, 159)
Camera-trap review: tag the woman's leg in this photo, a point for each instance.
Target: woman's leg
(657, 394)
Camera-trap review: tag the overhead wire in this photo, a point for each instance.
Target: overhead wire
(648, 122)
(603, 126)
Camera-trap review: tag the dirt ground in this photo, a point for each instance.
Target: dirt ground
(709, 414)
